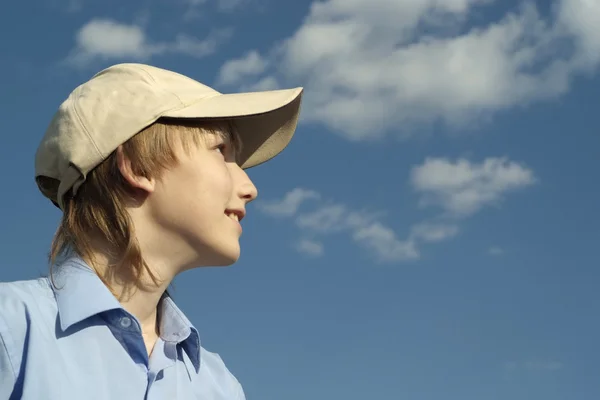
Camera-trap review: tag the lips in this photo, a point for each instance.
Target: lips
(236, 217)
(235, 214)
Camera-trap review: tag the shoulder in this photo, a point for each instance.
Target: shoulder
(22, 302)
(20, 297)
(214, 364)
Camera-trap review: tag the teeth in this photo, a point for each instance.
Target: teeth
(234, 217)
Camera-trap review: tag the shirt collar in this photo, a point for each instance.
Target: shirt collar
(176, 327)
(80, 294)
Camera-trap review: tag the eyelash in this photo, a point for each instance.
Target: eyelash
(222, 148)
(226, 150)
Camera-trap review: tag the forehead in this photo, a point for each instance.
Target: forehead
(205, 132)
(223, 129)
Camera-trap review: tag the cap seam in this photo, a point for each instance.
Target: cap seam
(85, 129)
(149, 74)
(153, 78)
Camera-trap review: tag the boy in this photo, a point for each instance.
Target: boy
(147, 167)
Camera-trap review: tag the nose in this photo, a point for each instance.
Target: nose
(244, 186)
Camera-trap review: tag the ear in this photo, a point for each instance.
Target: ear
(136, 181)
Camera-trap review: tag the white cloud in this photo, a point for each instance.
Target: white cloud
(463, 188)
(310, 247)
(581, 19)
(234, 71)
(194, 47)
(107, 39)
(326, 219)
(267, 83)
(289, 205)
(373, 66)
(384, 243)
(111, 39)
(460, 188)
(434, 232)
(364, 229)
(334, 218)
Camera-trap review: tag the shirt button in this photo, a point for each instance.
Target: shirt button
(125, 322)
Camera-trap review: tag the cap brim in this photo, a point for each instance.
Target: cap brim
(265, 121)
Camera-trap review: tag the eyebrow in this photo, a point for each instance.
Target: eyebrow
(234, 138)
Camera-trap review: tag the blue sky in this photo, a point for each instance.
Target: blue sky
(432, 231)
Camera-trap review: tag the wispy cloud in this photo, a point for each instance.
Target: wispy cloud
(362, 227)
(310, 247)
(331, 218)
(234, 71)
(328, 218)
(384, 243)
(267, 83)
(291, 202)
(434, 232)
(442, 184)
(462, 187)
(106, 39)
(369, 70)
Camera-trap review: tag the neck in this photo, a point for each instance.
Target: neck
(139, 294)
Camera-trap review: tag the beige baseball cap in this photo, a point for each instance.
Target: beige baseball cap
(120, 101)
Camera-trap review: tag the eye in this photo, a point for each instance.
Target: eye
(221, 148)
(227, 151)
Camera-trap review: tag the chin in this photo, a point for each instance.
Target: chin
(223, 258)
(216, 253)
(225, 263)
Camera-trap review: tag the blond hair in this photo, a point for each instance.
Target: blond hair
(98, 210)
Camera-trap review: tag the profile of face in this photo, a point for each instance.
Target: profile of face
(197, 205)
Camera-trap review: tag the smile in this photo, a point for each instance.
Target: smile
(233, 216)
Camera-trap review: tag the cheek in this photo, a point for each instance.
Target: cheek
(205, 192)
(222, 179)
(196, 186)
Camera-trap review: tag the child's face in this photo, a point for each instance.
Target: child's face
(195, 204)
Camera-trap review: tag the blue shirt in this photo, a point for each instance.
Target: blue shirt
(73, 340)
